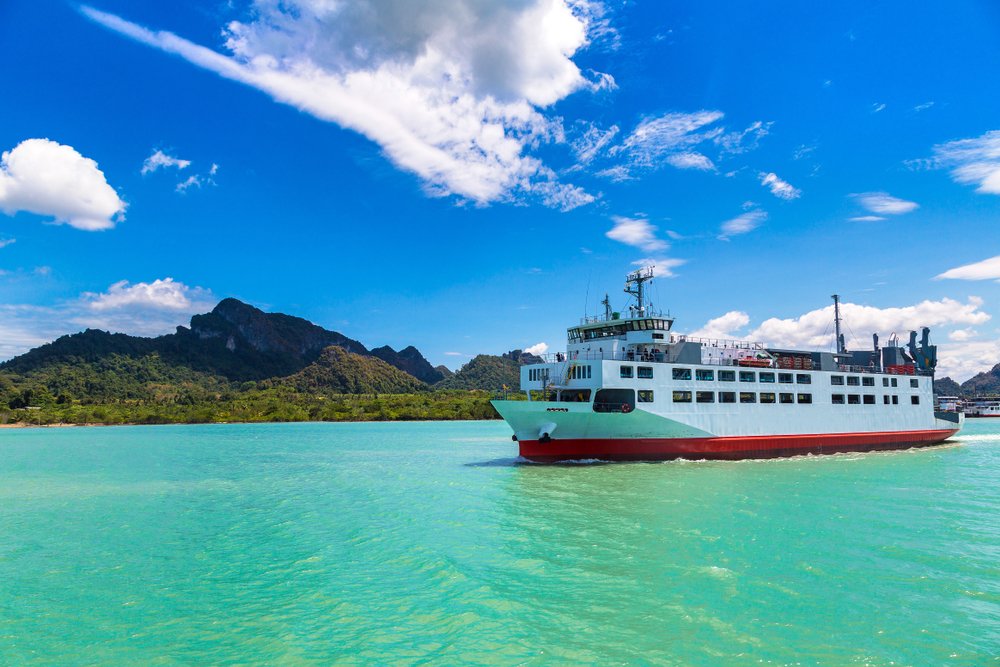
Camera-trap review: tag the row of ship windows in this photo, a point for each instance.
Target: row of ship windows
(708, 375)
(768, 397)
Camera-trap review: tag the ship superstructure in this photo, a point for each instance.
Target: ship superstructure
(629, 387)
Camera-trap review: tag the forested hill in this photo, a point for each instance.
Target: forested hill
(987, 382)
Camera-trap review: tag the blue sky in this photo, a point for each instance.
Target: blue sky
(472, 177)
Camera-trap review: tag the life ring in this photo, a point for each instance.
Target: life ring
(626, 408)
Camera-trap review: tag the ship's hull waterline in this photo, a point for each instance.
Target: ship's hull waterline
(725, 448)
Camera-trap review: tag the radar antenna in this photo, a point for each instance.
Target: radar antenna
(634, 285)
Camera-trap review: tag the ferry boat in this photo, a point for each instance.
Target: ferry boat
(629, 388)
(988, 406)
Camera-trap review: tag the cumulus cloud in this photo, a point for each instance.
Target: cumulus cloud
(690, 161)
(636, 232)
(814, 330)
(663, 267)
(779, 188)
(724, 326)
(451, 91)
(962, 335)
(160, 160)
(973, 161)
(161, 294)
(743, 223)
(882, 203)
(50, 179)
(537, 348)
(988, 269)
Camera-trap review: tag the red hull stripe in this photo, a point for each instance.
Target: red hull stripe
(740, 447)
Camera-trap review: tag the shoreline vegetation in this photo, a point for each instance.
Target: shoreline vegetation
(262, 406)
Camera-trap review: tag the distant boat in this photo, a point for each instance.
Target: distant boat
(988, 406)
(629, 388)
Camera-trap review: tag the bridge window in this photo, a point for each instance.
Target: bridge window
(704, 374)
(680, 374)
(748, 376)
(837, 399)
(805, 398)
(614, 400)
(786, 398)
(727, 397)
(705, 397)
(803, 378)
(727, 376)
(645, 372)
(766, 397)
(626, 371)
(679, 396)
(868, 382)
(837, 379)
(748, 397)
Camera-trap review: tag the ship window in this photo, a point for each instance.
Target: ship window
(626, 371)
(727, 376)
(915, 400)
(805, 398)
(614, 400)
(681, 374)
(727, 397)
(646, 396)
(766, 397)
(893, 380)
(803, 378)
(748, 376)
(766, 377)
(869, 399)
(885, 382)
(837, 379)
(895, 400)
(885, 399)
(704, 374)
(853, 381)
(785, 378)
(853, 399)
(645, 372)
(786, 398)
(868, 382)
(914, 383)
(679, 396)
(705, 397)
(657, 336)
(574, 396)
(748, 397)
(837, 399)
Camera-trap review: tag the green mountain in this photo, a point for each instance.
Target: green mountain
(985, 383)
(946, 387)
(338, 371)
(487, 372)
(411, 361)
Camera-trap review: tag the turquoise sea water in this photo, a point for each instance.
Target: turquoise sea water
(425, 543)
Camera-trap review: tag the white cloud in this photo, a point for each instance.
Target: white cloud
(882, 203)
(663, 267)
(741, 224)
(636, 232)
(813, 330)
(592, 142)
(656, 138)
(779, 188)
(537, 348)
(6, 242)
(724, 326)
(878, 106)
(923, 107)
(451, 91)
(867, 218)
(988, 269)
(47, 178)
(160, 160)
(962, 335)
(973, 161)
(192, 181)
(690, 161)
(742, 141)
(162, 294)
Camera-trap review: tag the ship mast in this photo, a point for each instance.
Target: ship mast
(607, 307)
(634, 285)
(836, 323)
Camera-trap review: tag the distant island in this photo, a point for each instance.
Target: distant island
(241, 364)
